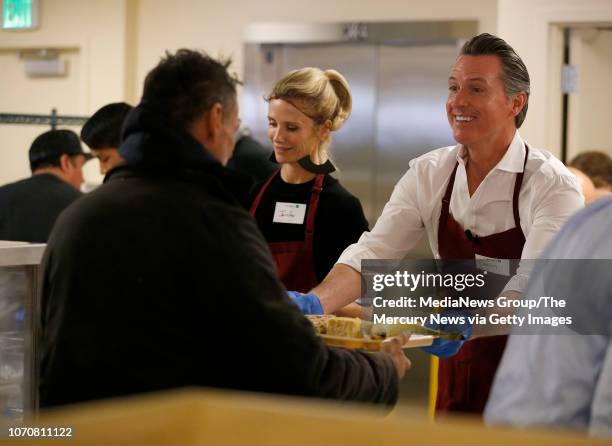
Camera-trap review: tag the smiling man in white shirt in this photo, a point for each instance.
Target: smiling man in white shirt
(492, 195)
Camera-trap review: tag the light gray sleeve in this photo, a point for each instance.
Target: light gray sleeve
(601, 410)
(547, 380)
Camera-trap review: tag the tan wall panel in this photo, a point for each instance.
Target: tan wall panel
(527, 25)
(217, 26)
(23, 94)
(590, 109)
(95, 33)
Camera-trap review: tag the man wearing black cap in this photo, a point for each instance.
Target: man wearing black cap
(29, 207)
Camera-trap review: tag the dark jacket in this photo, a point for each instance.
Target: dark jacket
(252, 158)
(29, 207)
(159, 279)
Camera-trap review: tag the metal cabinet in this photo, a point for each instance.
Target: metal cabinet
(19, 316)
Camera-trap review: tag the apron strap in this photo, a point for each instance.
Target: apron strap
(517, 188)
(257, 200)
(317, 187)
(447, 196)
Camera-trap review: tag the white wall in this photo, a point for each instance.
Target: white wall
(590, 107)
(96, 28)
(217, 27)
(532, 27)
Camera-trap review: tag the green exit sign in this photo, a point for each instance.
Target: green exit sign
(19, 14)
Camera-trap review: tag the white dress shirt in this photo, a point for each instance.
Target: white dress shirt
(549, 195)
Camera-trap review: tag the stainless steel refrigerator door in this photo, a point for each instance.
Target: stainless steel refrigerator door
(353, 146)
(411, 116)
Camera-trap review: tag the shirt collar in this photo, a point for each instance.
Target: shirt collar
(512, 161)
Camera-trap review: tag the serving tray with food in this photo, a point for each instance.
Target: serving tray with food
(355, 333)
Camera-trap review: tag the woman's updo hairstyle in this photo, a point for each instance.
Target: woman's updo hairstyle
(320, 95)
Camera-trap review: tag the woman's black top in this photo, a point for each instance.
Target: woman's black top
(339, 221)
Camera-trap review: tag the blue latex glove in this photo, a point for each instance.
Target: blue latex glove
(444, 348)
(308, 303)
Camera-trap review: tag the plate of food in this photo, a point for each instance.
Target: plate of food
(355, 333)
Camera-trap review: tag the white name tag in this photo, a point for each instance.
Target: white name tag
(289, 213)
(497, 266)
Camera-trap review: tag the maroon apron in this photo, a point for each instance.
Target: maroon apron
(464, 380)
(295, 260)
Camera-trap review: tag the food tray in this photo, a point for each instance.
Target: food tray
(415, 340)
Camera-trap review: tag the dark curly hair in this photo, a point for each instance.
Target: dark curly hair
(186, 84)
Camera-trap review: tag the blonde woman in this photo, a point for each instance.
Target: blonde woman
(306, 215)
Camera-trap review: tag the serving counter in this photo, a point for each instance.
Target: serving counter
(212, 417)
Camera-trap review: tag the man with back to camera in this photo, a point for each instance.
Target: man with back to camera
(29, 207)
(189, 276)
(102, 133)
(490, 196)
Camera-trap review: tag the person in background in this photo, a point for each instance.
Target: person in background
(590, 192)
(188, 276)
(565, 380)
(102, 133)
(29, 207)
(250, 157)
(594, 172)
(490, 196)
(306, 215)
(597, 166)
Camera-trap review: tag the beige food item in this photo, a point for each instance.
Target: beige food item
(328, 324)
(319, 322)
(344, 326)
